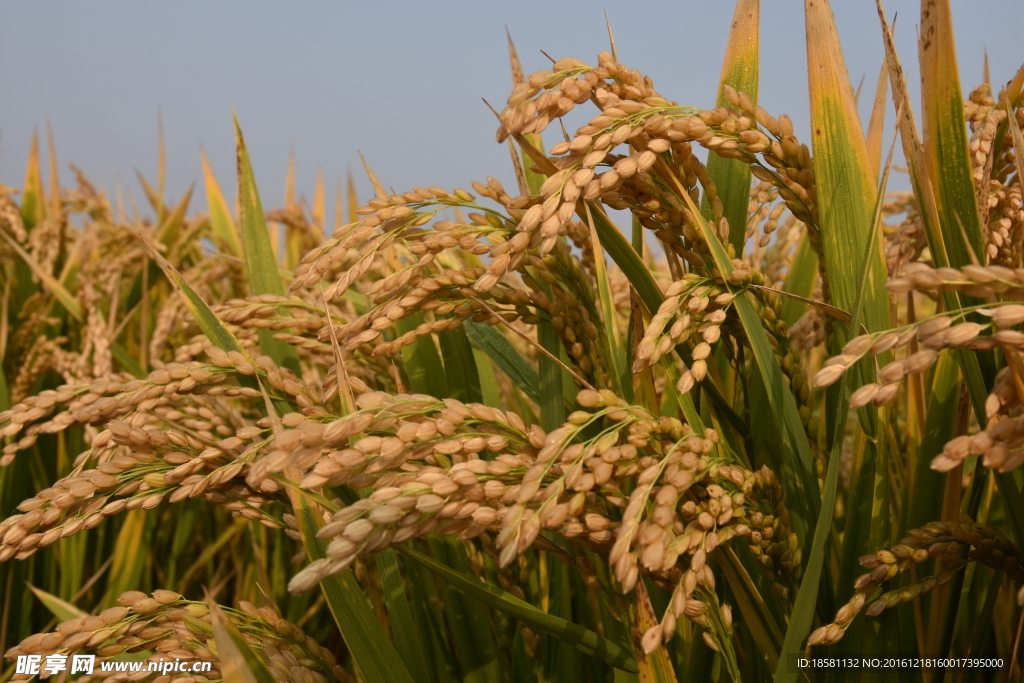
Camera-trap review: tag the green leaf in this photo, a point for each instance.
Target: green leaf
(803, 273)
(238, 661)
(260, 263)
(495, 345)
(210, 551)
(928, 485)
(376, 657)
(490, 393)
(876, 124)
(460, 366)
(61, 609)
(552, 398)
(585, 640)
(153, 196)
(626, 258)
(207, 320)
(845, 186)
(740, 70)
(403, 627)
(421, 360)
(945, 135)
(5, 390)
(468, 620)
(855, 263)
(807, 598)
(802, 615)
(127, 362)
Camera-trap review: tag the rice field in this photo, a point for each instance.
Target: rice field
(695, 400)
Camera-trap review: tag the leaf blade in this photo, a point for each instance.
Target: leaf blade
(585, 640)
(945, 135)
(223, 228)
(740, 69)
(62, 609)
(238, 660)
(260, 263)
(504, 355)
(376, 657)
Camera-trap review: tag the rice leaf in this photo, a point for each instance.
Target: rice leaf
(127, 362)
(376, 657)
(626, 258)
(552, 395)
(238, 661)
(168, 232)
(612, 341)
(429, 618)
(803, 273)
(1015, 135)
(407, 640)
(221, 225)
(62, 609)
(562, 662)
(584, 639)
(260, 263)
(468, 619)
(5, 390)
(945, 135)
(161, 167)
(210, 551)
(318, 210)
(927, 484)
(1012, 94)
(56, 203)
(207, 320)
(655, 667)
(921, 176)
(873, 137)
(131, 554)
(804, 609)
(153, 196)
(855, 263)
(846, 187)
(460, 366)
(498, 348)
(421, 360)
(802, 614)
(33, 196)
(740, 68)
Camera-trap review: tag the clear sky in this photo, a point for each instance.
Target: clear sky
(401, 82)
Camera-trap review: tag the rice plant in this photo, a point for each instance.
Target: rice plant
(500, 434)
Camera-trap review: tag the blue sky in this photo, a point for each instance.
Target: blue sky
(401, 82)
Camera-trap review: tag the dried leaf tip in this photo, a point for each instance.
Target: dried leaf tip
(611, 37)
(513, 60)
(377, 186)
